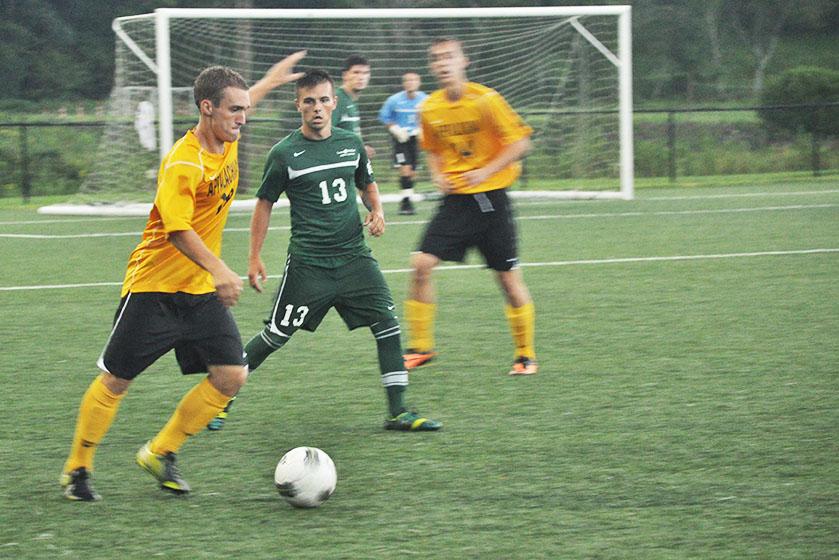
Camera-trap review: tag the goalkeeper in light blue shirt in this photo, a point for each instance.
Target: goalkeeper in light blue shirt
(399, 115)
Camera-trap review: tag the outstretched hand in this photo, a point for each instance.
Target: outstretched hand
(281, 73)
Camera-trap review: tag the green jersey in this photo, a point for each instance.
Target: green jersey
(346, 113)
(320, 178)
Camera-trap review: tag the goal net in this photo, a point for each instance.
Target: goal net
(566, 70)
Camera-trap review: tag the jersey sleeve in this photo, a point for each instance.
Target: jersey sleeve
(274, 177)
(386, 115)
(175, 198)
(364, 171)
(508, 124)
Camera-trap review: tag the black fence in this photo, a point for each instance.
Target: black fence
(668, 143)
(815, 138)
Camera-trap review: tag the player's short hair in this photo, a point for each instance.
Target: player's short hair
(211, 83)
(315, 77)
(354, 60)
(440, 40)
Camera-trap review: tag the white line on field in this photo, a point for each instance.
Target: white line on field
(71, 220)
(580, 262)
(739, 195)
(518, 203)
(419, 222)
(678, 212)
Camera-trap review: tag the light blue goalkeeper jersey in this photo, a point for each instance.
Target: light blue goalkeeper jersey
(401, 110)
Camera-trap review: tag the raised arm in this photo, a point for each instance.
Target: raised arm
(279, 74)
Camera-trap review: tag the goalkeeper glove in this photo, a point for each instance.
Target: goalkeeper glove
(401, 134)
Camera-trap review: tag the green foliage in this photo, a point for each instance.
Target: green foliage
(803, 85)
(681, 49)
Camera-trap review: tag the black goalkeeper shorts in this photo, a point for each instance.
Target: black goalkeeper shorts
(147, 325)
(483, 220)
(406, 153)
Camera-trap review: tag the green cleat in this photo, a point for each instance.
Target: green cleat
(217, 423)
(77, 487)
(164, 469)
(412, 422)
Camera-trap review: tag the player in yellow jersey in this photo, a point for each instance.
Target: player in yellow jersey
(177, 290)
(474, 141)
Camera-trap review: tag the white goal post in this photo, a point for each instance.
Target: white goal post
(566, 70)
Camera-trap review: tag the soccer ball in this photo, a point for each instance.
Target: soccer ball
(305, 477)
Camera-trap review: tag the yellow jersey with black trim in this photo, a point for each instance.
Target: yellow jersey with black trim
(194, 191)
(469, 132)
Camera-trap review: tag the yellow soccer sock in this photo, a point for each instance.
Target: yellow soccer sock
(523, 328)
(420, 319)
(199, 406)
(96, 413)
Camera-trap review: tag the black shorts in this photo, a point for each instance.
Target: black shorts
(483, 220)
(406, 153)
(148, 324)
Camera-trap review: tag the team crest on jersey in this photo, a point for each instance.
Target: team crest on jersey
(346, 152)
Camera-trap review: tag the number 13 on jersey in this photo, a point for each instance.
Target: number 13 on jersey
(337, 193)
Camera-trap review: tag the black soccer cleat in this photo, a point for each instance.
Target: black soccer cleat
(77, 486)
(406, 207)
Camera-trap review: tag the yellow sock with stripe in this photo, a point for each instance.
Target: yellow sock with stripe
(420, 319)
(199, 406)
(523, 328)
(96, 414)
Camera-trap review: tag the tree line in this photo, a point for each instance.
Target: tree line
(682, 49)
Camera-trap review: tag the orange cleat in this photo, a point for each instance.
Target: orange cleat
(414, 359)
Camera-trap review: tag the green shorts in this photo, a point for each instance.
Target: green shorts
(357, 290)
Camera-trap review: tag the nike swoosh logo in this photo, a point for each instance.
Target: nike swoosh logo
(298, 153)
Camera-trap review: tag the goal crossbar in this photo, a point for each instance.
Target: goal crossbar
(392, 13)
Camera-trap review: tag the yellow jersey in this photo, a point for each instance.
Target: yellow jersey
(470, 132)
(194, 191)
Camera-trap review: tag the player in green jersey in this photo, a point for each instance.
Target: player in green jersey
(355, 77)
(319, 168)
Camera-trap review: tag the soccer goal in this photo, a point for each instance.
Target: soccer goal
(566, 70)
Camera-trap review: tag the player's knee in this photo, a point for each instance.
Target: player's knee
(115, 385)
(228, 379)
(423, 264)
(514, 288)
(239, 377)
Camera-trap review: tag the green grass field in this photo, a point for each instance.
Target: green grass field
(687, 404)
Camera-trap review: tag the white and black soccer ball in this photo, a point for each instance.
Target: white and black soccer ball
(305, 477)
